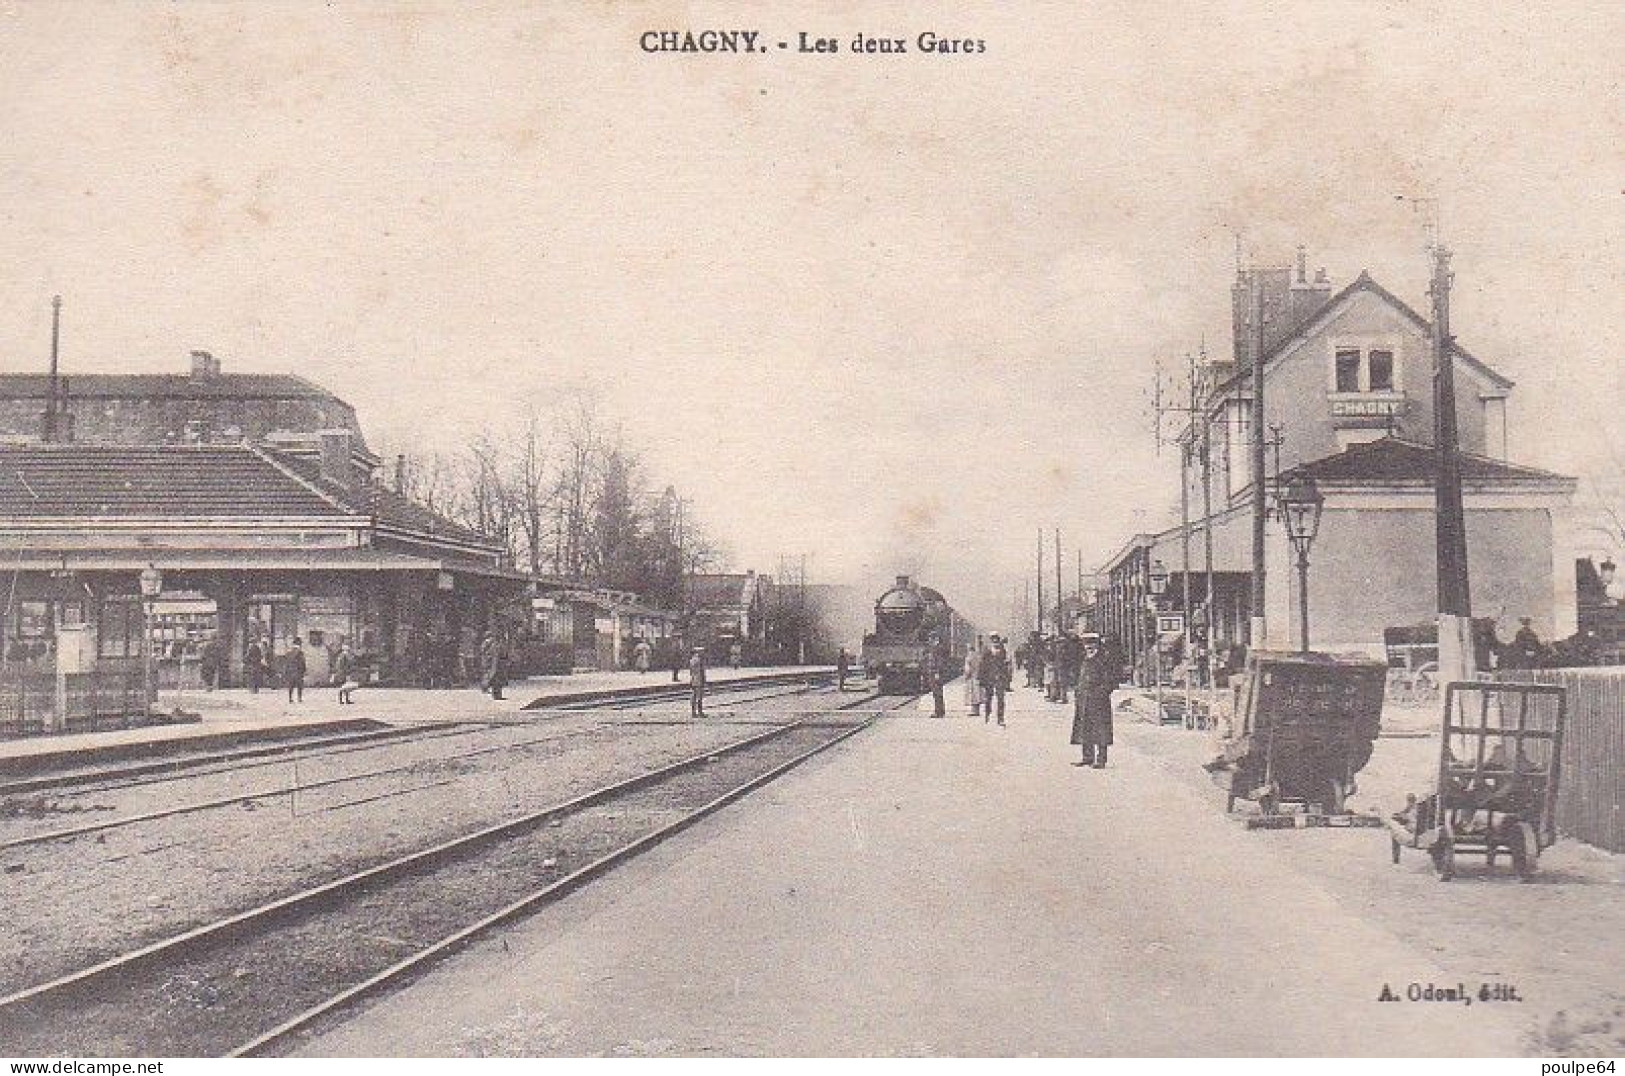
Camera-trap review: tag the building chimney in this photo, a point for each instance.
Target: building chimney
(1303, 265)
(336, 463)
(902, 581)
(400, 474)
(205, 365)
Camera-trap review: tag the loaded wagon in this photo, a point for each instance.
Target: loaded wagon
(1305, 725)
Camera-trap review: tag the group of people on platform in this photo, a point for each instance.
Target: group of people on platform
(1071, 665)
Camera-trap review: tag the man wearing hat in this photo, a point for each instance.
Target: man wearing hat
(1092, 706)
(696, 683)
(993, 674)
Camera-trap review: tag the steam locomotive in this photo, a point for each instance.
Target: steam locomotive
(909, 621)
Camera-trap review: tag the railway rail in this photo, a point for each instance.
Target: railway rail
(296, 788)
(250, 983)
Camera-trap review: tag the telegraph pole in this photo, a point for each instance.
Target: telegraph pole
(1059, 598)
(1258, 624)
(1040, 580)
(1456, 659)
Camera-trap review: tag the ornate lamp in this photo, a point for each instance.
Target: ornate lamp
(1300, 503)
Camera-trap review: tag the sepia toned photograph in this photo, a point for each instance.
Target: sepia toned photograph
(803, 530)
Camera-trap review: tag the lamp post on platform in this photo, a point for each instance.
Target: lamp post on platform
(152, 585)
(1300, 503)
(1159, 585)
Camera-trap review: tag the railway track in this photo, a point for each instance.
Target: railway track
(295, 789)
(139, 771)
(250, 983)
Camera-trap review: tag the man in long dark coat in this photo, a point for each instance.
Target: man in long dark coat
(1092, 708)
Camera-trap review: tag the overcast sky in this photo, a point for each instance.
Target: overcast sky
(892, 312)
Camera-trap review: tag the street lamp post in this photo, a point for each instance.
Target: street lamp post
(152, 584)
(1301, 502)
(1159, 584)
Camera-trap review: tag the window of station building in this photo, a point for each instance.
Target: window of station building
(1348, 370)
(118, 629)
(33, 619)
(1380, 370)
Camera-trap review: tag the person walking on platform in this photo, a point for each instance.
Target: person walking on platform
(676, 660)
(493, 670)
(696, 683)
(293, 671)
(993, 673)
(973, 663)
(641, 655)
(1092, 706)
(843, 666)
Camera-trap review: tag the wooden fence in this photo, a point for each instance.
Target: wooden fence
(1591, 795)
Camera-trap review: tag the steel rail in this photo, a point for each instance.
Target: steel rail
(292, 790)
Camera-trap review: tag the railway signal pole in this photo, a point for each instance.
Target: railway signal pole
(1258, 625)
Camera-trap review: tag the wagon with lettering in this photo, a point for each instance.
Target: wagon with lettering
(1500, 755)
(1305, 725)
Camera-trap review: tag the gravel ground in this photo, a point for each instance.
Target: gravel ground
(74, 902)
(216, 998)
(1557, 937)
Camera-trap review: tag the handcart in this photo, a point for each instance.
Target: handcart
(1305, 725)
(1500, 757)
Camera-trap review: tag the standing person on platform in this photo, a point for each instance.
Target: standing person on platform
(973, 693)
(993, 672)
(1071, 658)
(843, 666)
(345, 673)
(676, 659)
(641, 654)
(1092, 708)
(209, 665)
(254, 665)
(696, 683)
(1052, 668)
(934, 671)
(293, 671)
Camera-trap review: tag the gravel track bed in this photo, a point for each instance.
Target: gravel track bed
(214, 998)
(75, 902)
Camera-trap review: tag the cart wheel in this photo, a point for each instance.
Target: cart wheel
(1394, 842)
(1444, 859)
(1525, 851)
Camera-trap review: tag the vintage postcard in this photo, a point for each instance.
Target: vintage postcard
(793, 529)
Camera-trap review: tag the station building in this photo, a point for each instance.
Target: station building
(1348, 402)
(258, 501)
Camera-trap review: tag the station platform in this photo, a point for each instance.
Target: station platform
(237, 714)
(948, 887)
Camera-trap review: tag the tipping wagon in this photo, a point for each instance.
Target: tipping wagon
(1496, 788)
(1305, 725)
